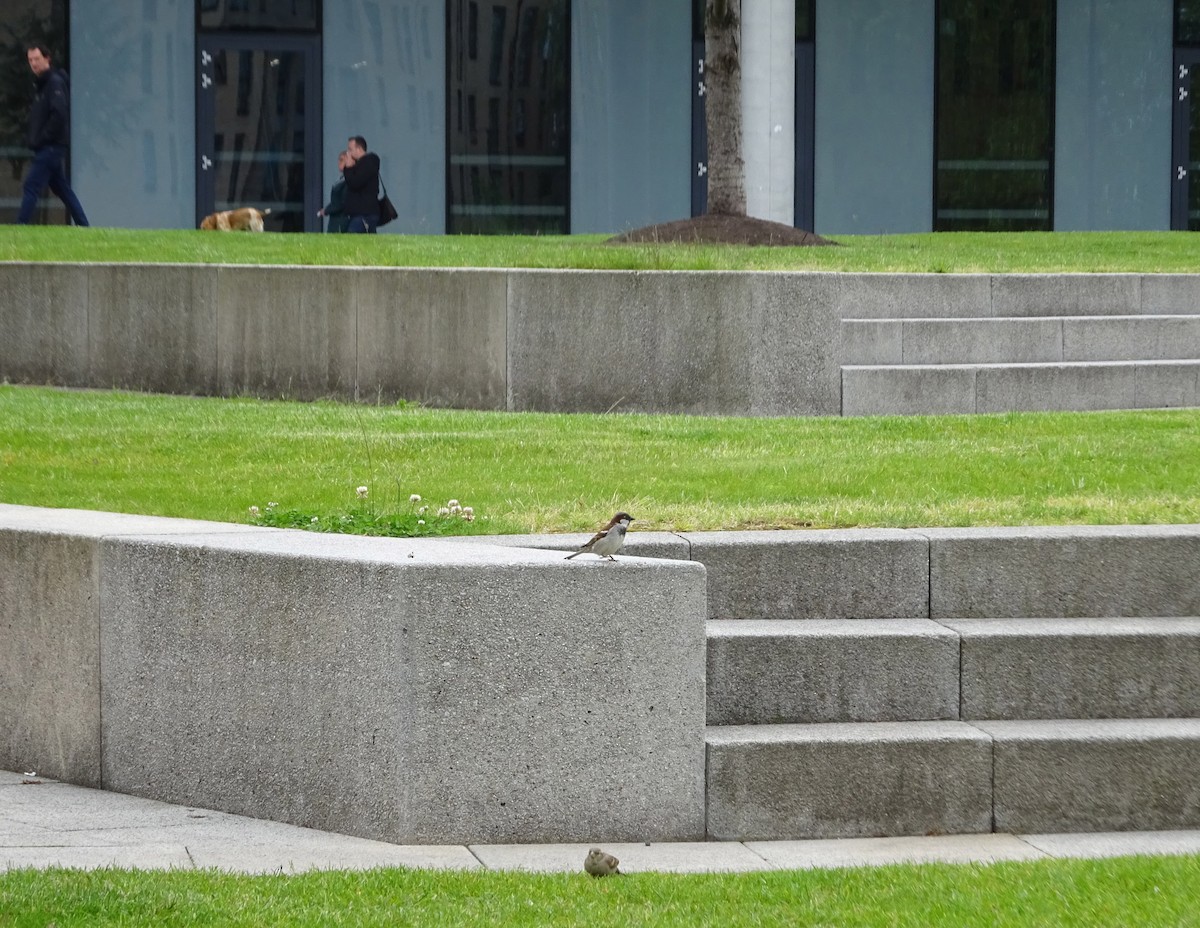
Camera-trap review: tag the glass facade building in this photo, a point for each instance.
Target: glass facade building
(561, 116)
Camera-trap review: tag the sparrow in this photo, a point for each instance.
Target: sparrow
(609, 539)
(597, 863)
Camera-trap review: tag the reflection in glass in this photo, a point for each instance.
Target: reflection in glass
(510, 175)
(995, 115)
(260, 15)
(23, 23)
(1187, 22)
(259, 134)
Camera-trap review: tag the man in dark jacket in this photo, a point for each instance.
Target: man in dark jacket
(49, 137)
(362, 186)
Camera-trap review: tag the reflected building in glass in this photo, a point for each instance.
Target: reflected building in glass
(587, 116)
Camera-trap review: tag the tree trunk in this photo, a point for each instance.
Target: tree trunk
(723, 107)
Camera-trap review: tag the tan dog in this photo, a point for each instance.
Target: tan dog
(247, 219)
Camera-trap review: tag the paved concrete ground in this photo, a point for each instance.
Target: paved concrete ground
(44, 823)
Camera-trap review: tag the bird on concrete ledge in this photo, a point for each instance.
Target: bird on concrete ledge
(608, 540)
(597, 863)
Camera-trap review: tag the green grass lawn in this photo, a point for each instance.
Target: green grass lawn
(1126, 892)
(214, 458)
(1020, 252)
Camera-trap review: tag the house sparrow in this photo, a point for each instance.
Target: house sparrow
(609, 539)
(597, 863)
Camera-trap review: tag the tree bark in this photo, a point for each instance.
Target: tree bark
(723, 107)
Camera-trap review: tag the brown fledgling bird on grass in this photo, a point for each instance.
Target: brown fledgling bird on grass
(597, 863)
(608, 540)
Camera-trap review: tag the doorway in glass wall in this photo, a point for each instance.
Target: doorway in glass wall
(508, 137)
(994, 115)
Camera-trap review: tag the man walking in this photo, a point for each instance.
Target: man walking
(49, 137)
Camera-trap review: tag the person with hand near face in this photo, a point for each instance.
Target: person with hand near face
(362, 186)
(335, 209)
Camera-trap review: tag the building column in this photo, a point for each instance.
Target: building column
(769, 107)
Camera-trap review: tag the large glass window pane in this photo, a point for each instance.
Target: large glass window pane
(1187, 22)
(260, 15)
(22, 23)
(994, 115)
(509, 137)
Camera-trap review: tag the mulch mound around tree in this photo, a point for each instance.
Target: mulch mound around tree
(722, 230)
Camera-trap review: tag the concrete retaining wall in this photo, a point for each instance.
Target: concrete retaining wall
(408, 691)
(487, 690)
(728, 343)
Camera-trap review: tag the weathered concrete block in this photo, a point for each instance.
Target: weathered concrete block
(1131, 338)
(435, 336)
(1066, 294)
(875, 779)
(1167, 384)
(49, 635)
(854, 670)
(410, 691)
(153, 327)
(871, 341)
(980, 341)
(827, 574)
(678, 342)
(49, 658)
(908, 296)
(1096, 775)
(1078, 571)
(1170, 293)
(1036, 387)
(908, 391)
(1079, 668)
(44, 318)
(286, 331)
(688, 342)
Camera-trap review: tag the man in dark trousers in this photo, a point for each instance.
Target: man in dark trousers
(362, 186)
(49, 137)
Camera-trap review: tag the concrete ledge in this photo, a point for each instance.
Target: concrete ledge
(1102, 775)
(410, 691)
(909, 391)
(728, 343)
(1079, 571)
(770, 782)
(855, 670)
(1079, 668)
(829, 574)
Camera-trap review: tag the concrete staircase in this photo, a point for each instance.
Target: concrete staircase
(863, 728)
(920, 366)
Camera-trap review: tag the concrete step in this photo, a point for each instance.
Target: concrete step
(851, 670)
(1096, 775)
(848, 780)
(781, 782)
(997, 340)
(1078, 668)
(947, 389)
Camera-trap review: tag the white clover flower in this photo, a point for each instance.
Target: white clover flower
(420, 521)
(468, 516)
(362, 492)
(315, 519)
(455, 510)
(415, 498)
(468, 511)
(254, 511)
(423, 510)
(443, 512)
(272, 505)
(452, 503)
